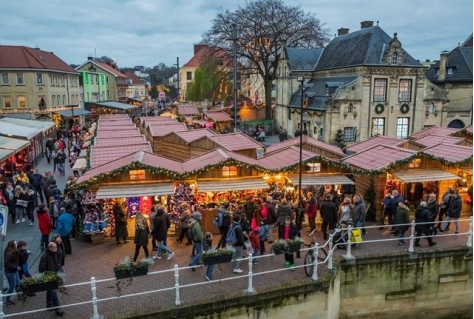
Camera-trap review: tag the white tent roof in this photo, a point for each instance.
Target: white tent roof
(18, 130)
(43, 125)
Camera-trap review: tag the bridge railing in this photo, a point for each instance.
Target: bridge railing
(329, 245)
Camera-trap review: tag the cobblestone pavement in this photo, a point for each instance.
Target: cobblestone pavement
(97, 259)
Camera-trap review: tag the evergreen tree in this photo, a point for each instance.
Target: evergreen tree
(340, 139)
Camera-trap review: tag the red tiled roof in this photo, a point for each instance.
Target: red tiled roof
(306, 140)
(467, 129)
(103, 155)
(161, 129)
(192, 135)
(188, 110)
(158, 119)
(110, 69)
(286, 157)
(21, 57)
(378, 157)
(451, 153)
(113, 117)
(214, 157)
(235, 141)
(135, 79)
(375, 140)
(202, 53)
(112, 141)
(118, 133)
(438, 131)
(117, 125)
(219, 116)
(431, 140)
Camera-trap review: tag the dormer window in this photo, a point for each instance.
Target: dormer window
(450, 71)
(394, 58)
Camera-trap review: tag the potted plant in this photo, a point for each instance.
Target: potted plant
(294, 245)
(41, 282)
(127, 268)
(279, 247)
(216, 256)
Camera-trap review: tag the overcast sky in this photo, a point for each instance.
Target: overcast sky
(147, 32)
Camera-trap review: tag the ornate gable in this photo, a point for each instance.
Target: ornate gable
(394, 54)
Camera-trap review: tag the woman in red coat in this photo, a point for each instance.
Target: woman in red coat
(311, 210)
(45, 225)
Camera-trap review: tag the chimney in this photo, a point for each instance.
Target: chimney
(443, 59)
(366, 24)
(89, 58)
(342, 31)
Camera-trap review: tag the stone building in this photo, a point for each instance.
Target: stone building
(363, 83)
(453, 72)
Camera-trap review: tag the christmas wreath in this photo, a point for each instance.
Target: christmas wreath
(379, 108)
(404, 108)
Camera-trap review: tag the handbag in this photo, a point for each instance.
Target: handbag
(356, 235)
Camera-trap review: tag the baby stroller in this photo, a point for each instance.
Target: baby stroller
(341, 235)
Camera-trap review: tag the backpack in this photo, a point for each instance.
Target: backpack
(225, 220)
(231, 238)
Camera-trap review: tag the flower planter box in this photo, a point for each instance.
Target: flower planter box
(278, 250)
(40, 286)
(220, 259)
(294, 248)
(121, 274)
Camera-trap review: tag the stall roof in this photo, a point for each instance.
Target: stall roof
(103, 155)
(5, 154)
(134, 190)
(235, 141)
(112, 141)
(43, 125)
(306, 140)
(188, 110)
(162, 129)
(449, 152)
(120, 126)
(321, 179)
(200, 122)
(378, 157)
(373, 141)
(438, 131)
(80, 164)
(18, 130)
(13, 144)
(231, 185)
(193, 135)
(286, 157)
(214, 157)
(116, 105)
(432, 140)
(219, 116)
(113, 117)
(118, 133)
(77, 112)
(424, 175)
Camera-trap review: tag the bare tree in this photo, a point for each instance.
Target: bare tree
(262, 25)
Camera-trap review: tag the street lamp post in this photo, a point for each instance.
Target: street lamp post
(234, 57)
(300, 79)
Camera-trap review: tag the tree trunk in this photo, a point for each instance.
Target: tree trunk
(268, 99)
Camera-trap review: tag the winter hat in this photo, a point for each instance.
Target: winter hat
(197, 216)
(423, 204)
(345, 203)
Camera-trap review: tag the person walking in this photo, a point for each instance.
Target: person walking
(197, 237)
(120, 219)
(359, 213)
(49, 263)
(235, 238)
(60, 252)
(61, 160)
(32, 201)
(223, 223)
(328, 213)
(207, 245)
(184, 223)
(311, 211)
(387, 210)
(141, 235)
(160, 232)
(45, 225)
(433, 208)
(64, 226)
(454, 211)
(11, 266)
(36, 179)
(402, 221)
(345, 211)
(20, 204)
(422, 227)
(396, 199)
(288, 231)
(444, 205)
(9, 194)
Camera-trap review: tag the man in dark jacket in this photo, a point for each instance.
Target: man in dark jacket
(454, 211)
(49, 263)
(61, 160)
(35, 180)
(52, 190)
(271, 217)
(239, 244)
(223, 216)
(433, 208)
(422, 218)
(396, 199)
(49, 148)
(160, 231)
(328, 211)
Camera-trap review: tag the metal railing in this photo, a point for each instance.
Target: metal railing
(250, 274)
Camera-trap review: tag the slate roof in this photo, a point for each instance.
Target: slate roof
(303, 59)
(316, 91)
(378, 157)
(21, 57)
(306, 140)
(461, 60)
(235, 141)
(362, 47)
(451, 153)
(373, 141)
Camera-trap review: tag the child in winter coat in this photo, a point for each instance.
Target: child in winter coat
(254, 239)
(263, 235)
(45, 225)
(24, 254)
(207, 245)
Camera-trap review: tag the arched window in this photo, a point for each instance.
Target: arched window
(350, 108)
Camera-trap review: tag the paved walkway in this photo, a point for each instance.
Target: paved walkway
(98, 259)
